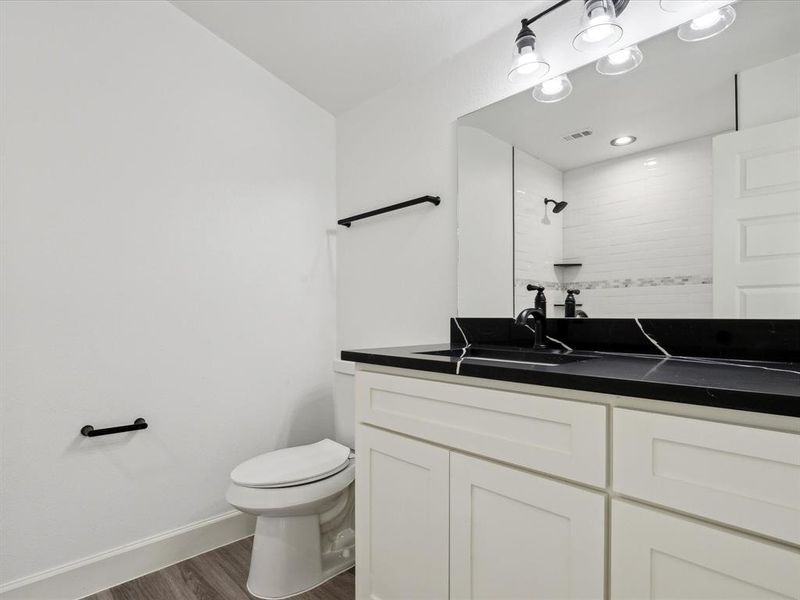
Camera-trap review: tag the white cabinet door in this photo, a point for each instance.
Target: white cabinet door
(514, 535)
(655, 555)
(401, 517)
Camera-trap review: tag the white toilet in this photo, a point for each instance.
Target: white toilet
(303, 498)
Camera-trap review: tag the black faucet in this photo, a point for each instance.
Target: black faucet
(539, 325)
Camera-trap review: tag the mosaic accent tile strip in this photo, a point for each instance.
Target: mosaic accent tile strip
(622, 283)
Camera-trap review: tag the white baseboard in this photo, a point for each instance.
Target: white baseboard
(107, 569)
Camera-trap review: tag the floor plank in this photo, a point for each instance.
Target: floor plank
(220, 574)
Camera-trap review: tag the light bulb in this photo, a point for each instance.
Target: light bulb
(552, 86)
(708, 25)
(597, 33)
(599, 27)
(553, 90)
(621, 61)
(706, 21)
(619, 57)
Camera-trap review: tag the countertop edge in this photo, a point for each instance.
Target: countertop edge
(715, 397)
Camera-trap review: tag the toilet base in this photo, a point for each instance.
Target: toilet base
(328, 578)
(294, 554)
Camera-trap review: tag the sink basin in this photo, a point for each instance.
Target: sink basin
(548, 358)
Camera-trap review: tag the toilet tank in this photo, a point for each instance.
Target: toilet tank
(344, 415)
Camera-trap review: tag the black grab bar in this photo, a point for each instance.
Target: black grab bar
(379, 211)
(90, 431)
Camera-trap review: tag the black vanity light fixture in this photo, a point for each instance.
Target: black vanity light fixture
(623, 140)
(600, 29)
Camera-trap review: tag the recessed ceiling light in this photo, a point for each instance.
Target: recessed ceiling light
(623, 140)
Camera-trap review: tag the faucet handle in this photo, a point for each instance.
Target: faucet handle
(573, 291)
(532, 287)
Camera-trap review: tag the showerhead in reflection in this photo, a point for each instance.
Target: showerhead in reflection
(558, 206)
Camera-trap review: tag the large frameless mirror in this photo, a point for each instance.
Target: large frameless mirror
(669, 190)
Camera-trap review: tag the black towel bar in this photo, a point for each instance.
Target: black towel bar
(435, 200)
(90, 431)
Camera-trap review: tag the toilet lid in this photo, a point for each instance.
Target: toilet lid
(292, 466)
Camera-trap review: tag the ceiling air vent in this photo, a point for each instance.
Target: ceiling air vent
(571, 137)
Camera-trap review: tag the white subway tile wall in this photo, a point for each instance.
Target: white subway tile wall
(640, 218)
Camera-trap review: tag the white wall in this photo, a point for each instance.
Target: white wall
(166, 254)
(485, 217)
(639, 218)
(397, 273)
(538, 233)
(770, 92)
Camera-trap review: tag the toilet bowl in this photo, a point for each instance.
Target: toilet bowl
(303, 499)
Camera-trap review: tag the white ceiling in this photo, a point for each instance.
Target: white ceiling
(681, 91)
(340, 53)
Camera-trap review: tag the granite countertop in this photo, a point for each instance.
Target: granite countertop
(772, 387)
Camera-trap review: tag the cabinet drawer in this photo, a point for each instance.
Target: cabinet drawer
(743, 476)
(554, 436)
(656, 555)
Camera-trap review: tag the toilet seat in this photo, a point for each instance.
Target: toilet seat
(291, 500)
(288, 467)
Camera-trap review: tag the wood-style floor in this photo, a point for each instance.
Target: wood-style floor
(217, 575)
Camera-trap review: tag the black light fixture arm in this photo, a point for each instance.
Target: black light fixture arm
(536, 17)
(619, 6)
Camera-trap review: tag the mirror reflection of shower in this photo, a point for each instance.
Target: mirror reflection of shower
(557, 208)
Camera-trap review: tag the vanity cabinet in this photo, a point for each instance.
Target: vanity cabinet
(468, 492)
(508, 533)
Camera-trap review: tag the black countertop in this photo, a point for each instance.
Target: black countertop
(772, 387)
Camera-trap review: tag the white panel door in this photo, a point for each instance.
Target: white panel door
(655, 555)
(515, 535)
(757, 222)
(402, 491)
